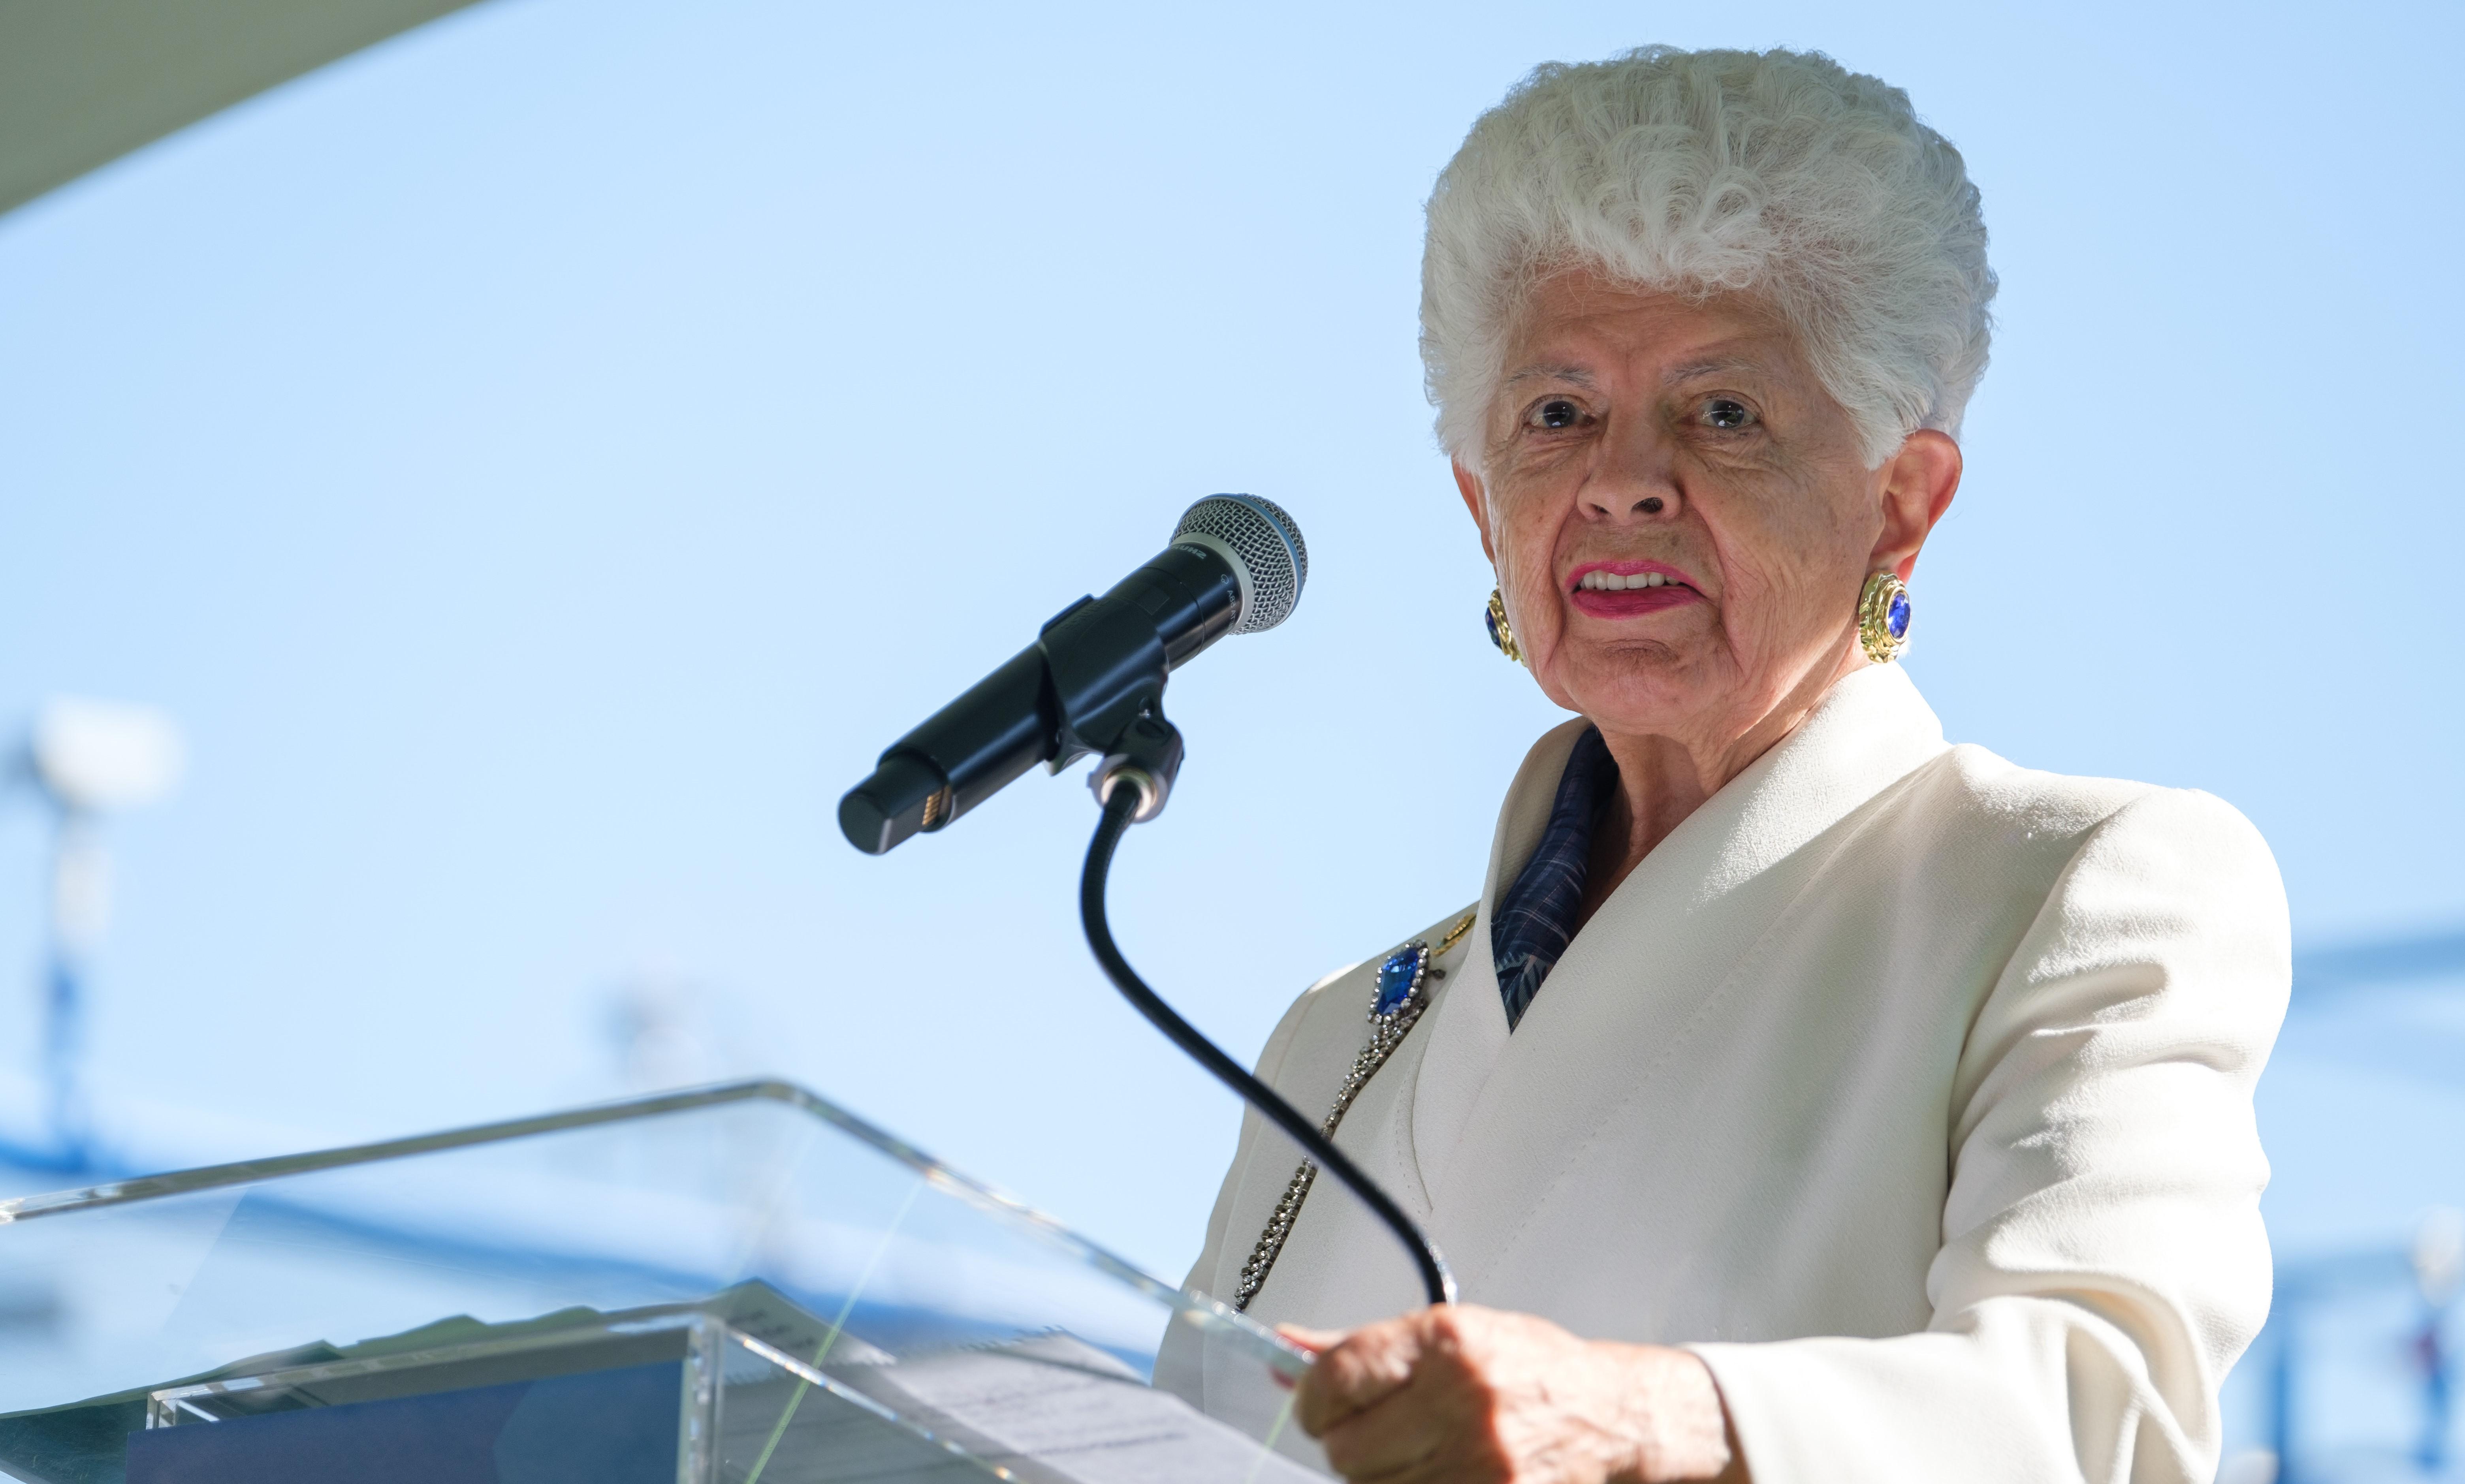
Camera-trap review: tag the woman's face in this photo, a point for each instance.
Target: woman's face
(1678, 512)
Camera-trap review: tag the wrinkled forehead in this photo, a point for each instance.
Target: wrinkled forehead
(1576, 328)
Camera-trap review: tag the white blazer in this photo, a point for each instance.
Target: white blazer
(1908, 1088)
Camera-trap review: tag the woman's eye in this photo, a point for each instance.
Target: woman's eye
(1557, 412)
(1727, 413)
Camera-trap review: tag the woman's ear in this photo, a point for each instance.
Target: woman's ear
(1919, 483)
(1475, 502)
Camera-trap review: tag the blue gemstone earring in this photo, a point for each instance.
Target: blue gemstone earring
(1883, 618)
(1501, 632)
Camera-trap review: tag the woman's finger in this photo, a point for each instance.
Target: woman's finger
(1402, 1436)
(1358, 1371)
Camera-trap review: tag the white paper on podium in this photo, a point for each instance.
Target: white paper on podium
(1054, 1408)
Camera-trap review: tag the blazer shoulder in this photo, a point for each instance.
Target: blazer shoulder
(2116, 861)
(2026, 842)
(1973, 780)
(1968, 780)
(2197, 854)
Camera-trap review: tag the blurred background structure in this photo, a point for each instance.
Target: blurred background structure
(90, 759)
(540, 459)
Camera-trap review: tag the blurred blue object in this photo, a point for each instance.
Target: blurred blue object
(2380, 962)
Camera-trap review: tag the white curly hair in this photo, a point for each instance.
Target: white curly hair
(1777, 173)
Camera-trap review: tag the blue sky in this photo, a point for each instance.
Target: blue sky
(540, 461)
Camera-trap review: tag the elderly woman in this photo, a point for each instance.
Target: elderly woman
(1804, 1098)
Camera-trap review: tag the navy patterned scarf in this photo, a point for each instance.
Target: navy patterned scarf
(1536, 917)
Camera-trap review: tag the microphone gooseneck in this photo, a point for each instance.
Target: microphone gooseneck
(1123, 803)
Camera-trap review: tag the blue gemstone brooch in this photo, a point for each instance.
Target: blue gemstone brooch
(1399, 978)
(1396, 1001)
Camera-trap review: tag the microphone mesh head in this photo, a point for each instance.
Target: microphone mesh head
(1269, 546)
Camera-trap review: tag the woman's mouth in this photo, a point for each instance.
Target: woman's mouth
(1629, 589)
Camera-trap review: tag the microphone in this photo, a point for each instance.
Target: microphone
(1235, 565)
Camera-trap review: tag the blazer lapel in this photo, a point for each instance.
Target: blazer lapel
(1498, 1117)
(1467, 1027)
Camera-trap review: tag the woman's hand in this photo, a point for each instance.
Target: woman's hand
(1461, 1393)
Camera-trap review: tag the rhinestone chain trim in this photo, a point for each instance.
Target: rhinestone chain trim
(1386, 1033)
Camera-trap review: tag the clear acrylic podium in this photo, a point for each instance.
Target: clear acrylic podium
(740, 1284)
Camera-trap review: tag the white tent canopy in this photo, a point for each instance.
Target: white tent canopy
(85, 81)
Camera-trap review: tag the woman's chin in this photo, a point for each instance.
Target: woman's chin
(1629, 689)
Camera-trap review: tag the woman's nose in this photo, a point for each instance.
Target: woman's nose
(1634, 479)
(1622, 502)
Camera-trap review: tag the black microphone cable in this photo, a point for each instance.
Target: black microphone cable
(1124, 798)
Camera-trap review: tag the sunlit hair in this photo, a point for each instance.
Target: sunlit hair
(1779, 173)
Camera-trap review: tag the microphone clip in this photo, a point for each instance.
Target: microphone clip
(1147, 756)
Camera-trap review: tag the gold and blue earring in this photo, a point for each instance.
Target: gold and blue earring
(1883, 617)
(1501, 632)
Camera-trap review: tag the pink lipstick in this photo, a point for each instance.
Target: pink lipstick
(1629, 589)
